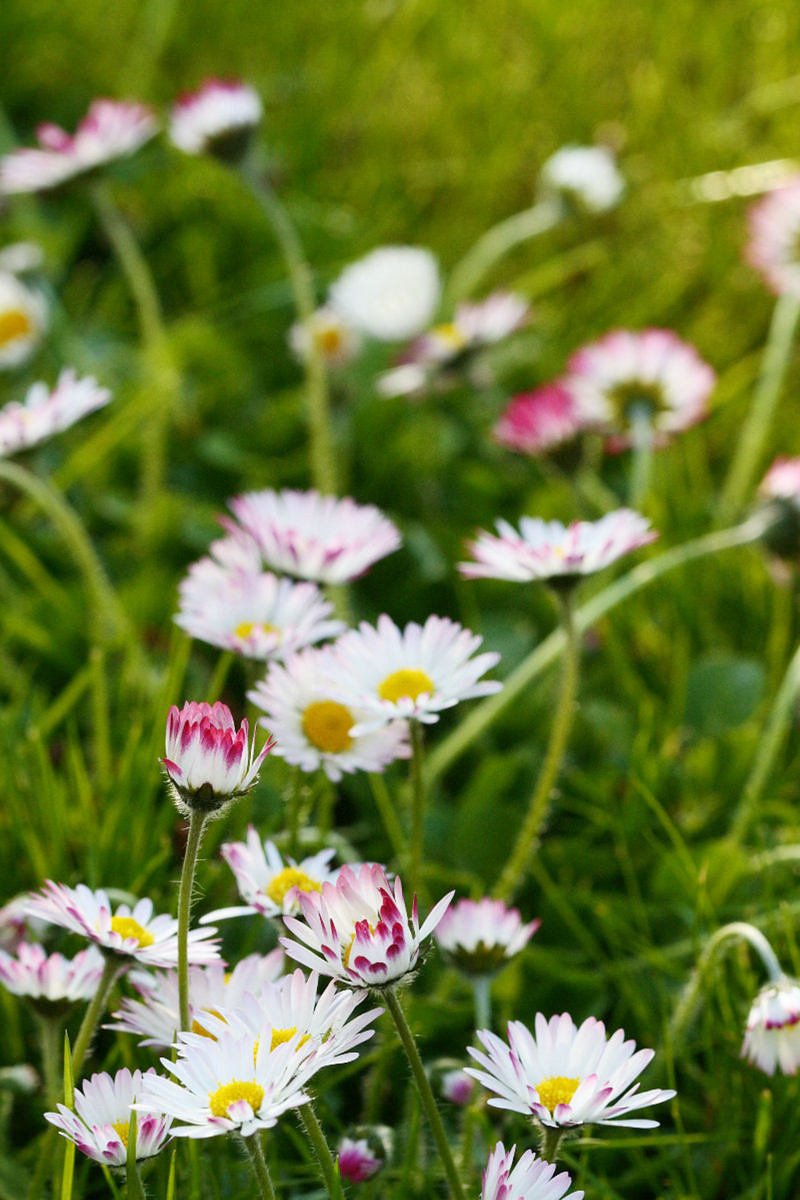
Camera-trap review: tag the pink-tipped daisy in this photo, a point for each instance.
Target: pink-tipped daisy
(535, 422)
(328, 334)
(219, 119)
(457, 1087)
(267, 883)
(23, 318)
(110, 130)
(782, 481)
(100, 1125)
(391, 294)
(51, 982)
(774, 246)
(772, 1038)
(356, 1161)
(357, 930)
(531, 1179)
(548, 550)
(46, 411)
(479, 937)
(208, 761)
(565, 1075)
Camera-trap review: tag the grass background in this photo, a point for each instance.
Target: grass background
(426, 123)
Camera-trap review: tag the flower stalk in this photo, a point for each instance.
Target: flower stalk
(322, 1150)
(260, 1169)
(417, 808)
(93, 1013)
(197, 821)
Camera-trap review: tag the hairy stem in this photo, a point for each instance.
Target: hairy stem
(259, 1164)
(320, 1145)
(93, 1013)
(197, 822)
(417, 808)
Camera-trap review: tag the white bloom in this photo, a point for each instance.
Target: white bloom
(23, 318)
(481, 936)
(100, 1125)
(50, 980)
(531, 1179)
(268, 884)
(391, 294)
(209, 761)
(405, 380)
(327, 332)
(782, 481)
(20, 257)
(218, 119)
(486, 321)
(45, 412)
(586, 175)
(772, 1038)
(774, 247)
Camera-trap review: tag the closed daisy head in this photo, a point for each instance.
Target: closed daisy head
(208, 761)
(391, 294)
(539, 421)
(531, 1179)
(51, 982)
(100, 1124)
(219, 119)
(479, 937)
(774, 246)
(357, 1162)
(583, 177)
(772, 1037)
(268, 883)
(23, 318)
(46, 411)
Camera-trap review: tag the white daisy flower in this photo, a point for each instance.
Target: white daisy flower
(531, 1179)
(322, 538)
(100, 1125)
(774, 246)
(111, 129)
(550, 550)
(23, 319)
(481, 936)
(312, 730)
(357, 930)
(131, 933)
(50, 981)
(267, 883)
(405, 380)
(208, 761)
(412, 673)
(566, 1076)
(155, 1018)
(483, 322)
(772, 1038)
(391, 294)
(782, 481)
(218, 118)
(586, 176)
(329, 334)
(45, 412)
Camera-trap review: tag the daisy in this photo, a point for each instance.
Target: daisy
(391, 294)
(782, 481)
(412, 673)
(531, 1179)
(313, 731)
(566, 1076)
(772, 1038)
(100, 1125)
(774, 247)
(535, 422)
(20, 257)
(130, 933)
(329, 334)
(481, 936)
(155, 1018)
(456, 1086)
(23, 318)
(111, 129)
(208, 761)
(552, 551)
(219, 119)
(16, 924)
(487, 321)
(358, 930)
(268, 884)
(653, 372)
(51, 982)
(45, 412)
(315, 537)
(583, 176)
(356, 1161)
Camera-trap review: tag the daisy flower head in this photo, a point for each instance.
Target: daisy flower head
(155, 1017)
(208, 762)
(625, 376)
(479, 937)
(564, 1075)
(782, 481)
(131, 934)
(391, 294)
(322, 538)
(357, 1163)
(531, 1179)
(536, 422)
(780, 495)
(313, 731)
(218, 119)
(413, 673)
(16, 923)
(110, 130)
(357, 930)
(46, 411)
(100, 1124)
(327, 333)
(774, 246)
(51, 982)
(583, 177)
(484, 322)
(457, 1087)
(267, 883)
(772, 1037)
(548, 550)
(23, 319)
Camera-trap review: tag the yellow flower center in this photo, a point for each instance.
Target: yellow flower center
(14, 324)
(128, 928)
(327, 726)
(288, 878)
(450, 335)
(555, 1090)
(198, 1028)
(405, 682)
(246, 629)
(121, 1130)
(228, 1093)
(329, 340)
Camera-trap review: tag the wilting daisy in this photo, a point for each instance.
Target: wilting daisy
(584, 176)
(391, 294)
(774, 246)
(131, 933)
(556, 552)
(315, 537)
(267, 883)
(772, 1038)
(45, 412)
(565, 1075)
(411, 673)
(358, 930)
(23, 317)
(535, 422)
(480, 936)
(313, 731)
(50, 981)
(100, 1125)
(111, 129)
(208, 761)
(531, 1179)
(356, 1161)
(625, 376)
(219, 119)
(155, 1018)
(329, 334)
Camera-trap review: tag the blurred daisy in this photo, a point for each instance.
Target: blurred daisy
(474, 324)
(50, 981)
(16, 923)
(774, 246)
(456, 1086)
(329, 334)
(111, 129)
(45, 412)
(358, 930)
(585, 177)
(772, 1038)
(23, 318)
(267, 883)
(100, 1125)
(208, 761)
(406, 380)
(313, 731)
(155, 1018)
(479, 937)
(20, 257)
(535, 422)
(218, 119)
(531, 1179)
(131, 933)
(356, 1161)
(315, 537)
(391, 294)
(412, 673)
(566, 1076)
(782, 481)
(552, 551)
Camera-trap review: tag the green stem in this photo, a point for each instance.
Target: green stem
(388, 814)
(468, 274)
(417, 808)
(135, 1191)
(256, 1155)
(641, 455)
(486, 713)
(482, 995)
(753, 436)
(293, 806)
(550, 1141)
(52, 1041)
(426, 1095)
(197, 822)
(777, 726)
(536, 816)
(320, 1145)
(93, 1013)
